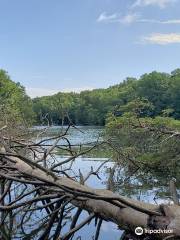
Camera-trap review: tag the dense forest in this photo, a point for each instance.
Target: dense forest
(158, 91)
(153, 94)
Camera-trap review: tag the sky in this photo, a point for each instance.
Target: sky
(67, 45)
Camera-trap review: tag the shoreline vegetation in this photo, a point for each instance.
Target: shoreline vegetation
(152, 95)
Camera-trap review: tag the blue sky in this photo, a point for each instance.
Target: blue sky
(64, 45)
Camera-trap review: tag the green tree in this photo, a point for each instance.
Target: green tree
(15, 105)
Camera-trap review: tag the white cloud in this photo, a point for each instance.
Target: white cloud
(161, 38)
(159, 3)
(129, 18)
(115, 18)
(107, 18)
(170, 21)
(132, 18)
(39, 92)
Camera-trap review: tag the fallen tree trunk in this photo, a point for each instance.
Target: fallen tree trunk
(55, 189)
(126, 213)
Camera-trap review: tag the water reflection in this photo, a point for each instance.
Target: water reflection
(141, 184)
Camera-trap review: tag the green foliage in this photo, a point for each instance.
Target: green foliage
(15, 105)
(148, 141)
(157, 93)
(138, 107)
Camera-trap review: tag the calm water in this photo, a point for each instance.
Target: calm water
(141, 184)
(86, 135)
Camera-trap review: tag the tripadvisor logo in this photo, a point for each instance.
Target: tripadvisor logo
(139, 231)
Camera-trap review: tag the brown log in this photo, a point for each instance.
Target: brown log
(125, 212)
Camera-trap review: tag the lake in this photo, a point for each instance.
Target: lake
(140, 184)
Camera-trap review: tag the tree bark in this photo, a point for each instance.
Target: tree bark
(125, 212)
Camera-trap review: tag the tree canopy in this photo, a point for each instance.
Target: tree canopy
(161, 90)
(15, 105)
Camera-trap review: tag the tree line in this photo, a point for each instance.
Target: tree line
(159, 90)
